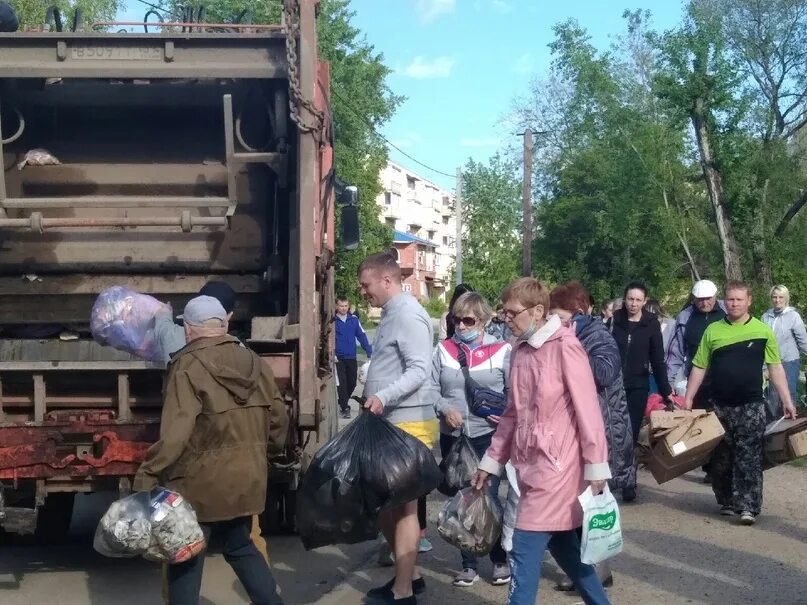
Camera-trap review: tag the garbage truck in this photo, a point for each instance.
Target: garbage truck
(158, 160)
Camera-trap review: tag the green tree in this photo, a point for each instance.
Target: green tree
(491, 214)
(31, 13)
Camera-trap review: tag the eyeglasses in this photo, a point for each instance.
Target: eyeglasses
(465, 321)
(511, 315)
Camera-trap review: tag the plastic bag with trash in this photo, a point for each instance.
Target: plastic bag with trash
(510, 508)
(602, 530)
(159, 525)
(471, 521)
(458, 466)
(124, 319)
(370, 466)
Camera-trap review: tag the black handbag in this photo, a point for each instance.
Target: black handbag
(482, 401)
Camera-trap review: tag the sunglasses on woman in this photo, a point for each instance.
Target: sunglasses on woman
(465, 321)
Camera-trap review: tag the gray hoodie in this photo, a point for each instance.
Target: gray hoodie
(399, 372)
(788, 327)
(488, 365)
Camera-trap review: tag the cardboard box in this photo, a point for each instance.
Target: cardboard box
(685, 447)
(661, 420)
(785, 440)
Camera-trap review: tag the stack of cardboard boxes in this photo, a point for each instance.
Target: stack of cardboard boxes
(785, 440)
(681, 441)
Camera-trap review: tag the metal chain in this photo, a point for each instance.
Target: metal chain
(296, 98)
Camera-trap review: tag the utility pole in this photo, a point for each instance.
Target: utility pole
(458, 220)
(526, 207)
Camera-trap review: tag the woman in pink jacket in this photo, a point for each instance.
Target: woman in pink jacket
(552, 432)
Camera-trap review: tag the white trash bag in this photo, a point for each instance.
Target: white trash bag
(602, 530)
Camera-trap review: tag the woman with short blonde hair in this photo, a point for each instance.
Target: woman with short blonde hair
(552, 432)
(791, 336)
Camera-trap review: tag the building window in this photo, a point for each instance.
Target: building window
(445, 220)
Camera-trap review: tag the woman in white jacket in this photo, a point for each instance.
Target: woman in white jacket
(791, 336)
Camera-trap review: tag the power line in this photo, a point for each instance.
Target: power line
(385, 139)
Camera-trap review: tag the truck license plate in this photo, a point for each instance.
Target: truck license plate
(116, 53)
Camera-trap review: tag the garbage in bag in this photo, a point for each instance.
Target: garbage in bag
(471, 521)
(159, 525)
(510, 508)
(602, 531)
(38, 157)
(371, 465)
(124, 319)
(458, 466)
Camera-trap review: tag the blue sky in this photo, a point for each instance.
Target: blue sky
(461, 63)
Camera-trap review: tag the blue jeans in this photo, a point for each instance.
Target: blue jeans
(480, 445)
(249, 565)
(773, 403)
(525, 566)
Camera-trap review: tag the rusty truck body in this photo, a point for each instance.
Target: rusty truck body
(185, 155)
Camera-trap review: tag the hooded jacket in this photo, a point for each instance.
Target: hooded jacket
(603, 355)
(640, 345)
(677, 359)
(791, 335)
(551, 430)
(222, 415)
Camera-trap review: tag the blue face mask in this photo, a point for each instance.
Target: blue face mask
(468, 336)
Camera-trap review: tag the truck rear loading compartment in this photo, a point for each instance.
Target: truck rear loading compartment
(147, 56)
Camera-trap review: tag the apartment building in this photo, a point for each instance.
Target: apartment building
(422, 216)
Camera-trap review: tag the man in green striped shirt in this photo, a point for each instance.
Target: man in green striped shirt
(734, 350)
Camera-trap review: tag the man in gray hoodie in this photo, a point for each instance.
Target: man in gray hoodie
(398, 388)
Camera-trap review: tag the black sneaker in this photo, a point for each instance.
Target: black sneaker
(385, 591)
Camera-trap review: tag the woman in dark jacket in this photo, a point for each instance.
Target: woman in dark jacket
(566, 301)
(638, 335)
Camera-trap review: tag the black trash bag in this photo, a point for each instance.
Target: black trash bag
(458, 466)
(8, 18)
(370, 466)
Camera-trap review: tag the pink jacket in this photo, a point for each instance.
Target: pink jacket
(552, 429)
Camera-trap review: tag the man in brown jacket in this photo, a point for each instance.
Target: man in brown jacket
(222, 414)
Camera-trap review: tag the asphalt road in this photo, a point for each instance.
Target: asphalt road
(677, 550)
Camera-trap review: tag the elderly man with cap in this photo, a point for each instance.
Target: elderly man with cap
(171, 337)
(222, 414)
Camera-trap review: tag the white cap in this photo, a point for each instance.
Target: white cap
(704, 289)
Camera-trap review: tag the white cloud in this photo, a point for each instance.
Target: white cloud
(429, 10)
(477, 142)
(422, 68)
(524, 64)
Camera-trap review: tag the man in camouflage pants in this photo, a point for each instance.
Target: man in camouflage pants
(734, 350)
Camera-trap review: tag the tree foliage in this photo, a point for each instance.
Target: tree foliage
(31, 13)
(491, 214)
(622, 173)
